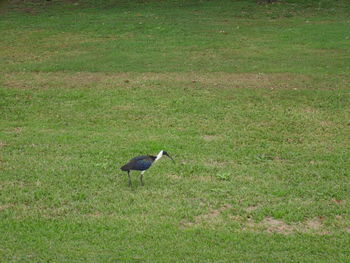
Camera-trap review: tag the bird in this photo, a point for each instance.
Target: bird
(142, 163)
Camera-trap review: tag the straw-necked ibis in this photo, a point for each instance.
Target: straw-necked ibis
(142, 163)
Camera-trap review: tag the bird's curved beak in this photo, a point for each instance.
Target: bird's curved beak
(170, 157)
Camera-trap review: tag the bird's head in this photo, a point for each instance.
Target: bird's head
(165, 153)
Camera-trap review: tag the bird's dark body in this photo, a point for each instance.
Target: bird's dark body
(142, 163)
(139, 163)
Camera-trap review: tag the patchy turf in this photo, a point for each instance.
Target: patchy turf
(251, 100)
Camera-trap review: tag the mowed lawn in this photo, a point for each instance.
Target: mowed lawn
(251, 100)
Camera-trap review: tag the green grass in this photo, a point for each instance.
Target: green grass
(252, 101)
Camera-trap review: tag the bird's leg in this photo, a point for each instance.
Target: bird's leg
(129, 178)
(141, 177)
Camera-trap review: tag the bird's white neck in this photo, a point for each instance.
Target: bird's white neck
(160, 154)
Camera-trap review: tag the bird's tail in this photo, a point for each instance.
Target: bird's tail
(124, 168)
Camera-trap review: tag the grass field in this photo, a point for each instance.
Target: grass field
(251, 100)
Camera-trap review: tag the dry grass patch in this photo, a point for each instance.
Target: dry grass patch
(327, 123)
(5, 206)
(65, 40)
(52, 80)
(214, 163)
(251, 208)
(173, 176)
(314, 224)
(204, 178)
(276, 226)
(250, 80)
(16, 130)
(15, 55)
(209, 138)
(112, 80)
(338, 201)
(213, 217)
(271, 225)
(94, 215)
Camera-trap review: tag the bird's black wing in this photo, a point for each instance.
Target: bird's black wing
(139, 163)
(138, 158)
